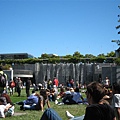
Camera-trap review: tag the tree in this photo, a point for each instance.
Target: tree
(67, 56)
(44, 56)
(101, 55)
(117, 27)
(77, 54)
(111, 54)
(89, 56)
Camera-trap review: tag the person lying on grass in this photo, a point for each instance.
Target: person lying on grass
(30, 103)
(6, 110)
(35, 101)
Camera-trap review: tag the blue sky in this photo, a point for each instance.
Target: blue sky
(58, 26)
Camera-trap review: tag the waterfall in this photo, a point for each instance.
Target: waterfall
(65, 71)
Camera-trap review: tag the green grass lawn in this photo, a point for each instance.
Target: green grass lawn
(76, 110)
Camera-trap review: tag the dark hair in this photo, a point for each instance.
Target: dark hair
(1, 100)
(116, 86)
(1, 68)
(96, 90)
(43, 93)
(77, 89)
(33, 91)
(62, 89)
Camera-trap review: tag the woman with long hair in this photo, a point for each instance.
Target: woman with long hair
(43, 100)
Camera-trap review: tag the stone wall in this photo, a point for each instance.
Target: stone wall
(82, 72)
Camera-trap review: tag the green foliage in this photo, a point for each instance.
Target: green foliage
(77, 54)
(117, 61)
(111, 54)
(101, 55)
(89, 56)
(67, 56)
(44, 56)
(6, 66)
(52, 58)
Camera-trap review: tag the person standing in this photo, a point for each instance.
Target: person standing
(49, 84)
(11, 85)
(107, 82)
(16, 83)
(55, 82)
(19, 85)
(72, 83)
(28, 82)
(45, 84)
(3, 77)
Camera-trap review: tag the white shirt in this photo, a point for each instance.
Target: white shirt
(116, 100)
(2, 109)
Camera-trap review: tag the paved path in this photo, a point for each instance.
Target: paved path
(17, 114)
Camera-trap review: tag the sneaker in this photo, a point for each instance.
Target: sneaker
(61, 103)
(69, 116)
(21, 107)
(56, 102)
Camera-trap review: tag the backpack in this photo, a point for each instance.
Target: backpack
(2, 80)
(12, 84)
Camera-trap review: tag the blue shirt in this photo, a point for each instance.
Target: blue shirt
(32, 99)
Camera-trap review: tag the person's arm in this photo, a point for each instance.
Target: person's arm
(48, 103)
(41, 105)
(114, 118)
(7, 107)
(81, 97)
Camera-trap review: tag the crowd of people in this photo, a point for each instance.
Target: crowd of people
(102, 99)
(102, 104)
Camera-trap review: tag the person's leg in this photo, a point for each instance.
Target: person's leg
(21, 102)
(29, 107)
(68, 100)
(12, 90)
(50, 114)
(18, 91)
(67, 97)
(27, 92)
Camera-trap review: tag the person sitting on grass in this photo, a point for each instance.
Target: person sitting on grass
(61, 94)
(97, 109)
(52, 96)
(74, 98)
(6, 110)
(43, 99)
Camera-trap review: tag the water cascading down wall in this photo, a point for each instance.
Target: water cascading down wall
(64, 71)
